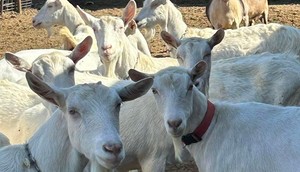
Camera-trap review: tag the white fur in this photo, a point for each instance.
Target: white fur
(4, 141)
(21, 115)
(61, 12)
(136, 38)
(274, 38)
(121, 56)
(247, 78)
(59, 144)
(149, 148)
(17, 112)
(11, 74)
(241, 137)
(64, 13)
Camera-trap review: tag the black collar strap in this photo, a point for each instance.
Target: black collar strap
(30, 161)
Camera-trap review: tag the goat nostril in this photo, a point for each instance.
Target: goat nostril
(112, 148)
(33, 21)
(175, 124)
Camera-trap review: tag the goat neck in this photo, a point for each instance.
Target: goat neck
(52, 150)
(175, 24)
(71, 18)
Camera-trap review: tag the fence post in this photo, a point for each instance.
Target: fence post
(1, 6)
(19, 6)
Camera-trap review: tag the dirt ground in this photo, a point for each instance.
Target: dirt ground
(17, 33)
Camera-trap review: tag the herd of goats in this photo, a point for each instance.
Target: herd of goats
(226, 99)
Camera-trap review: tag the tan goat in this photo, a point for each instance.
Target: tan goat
(256, 9)
(229, 14)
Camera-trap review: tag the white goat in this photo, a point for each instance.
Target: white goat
(115, 50)
(274, 38)
(83, 118)
(64, 13)
(20, 122)
(148, 153)
(18, 103)
(235, 137)
(240, 79)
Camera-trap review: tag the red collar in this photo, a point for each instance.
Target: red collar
(196, 135)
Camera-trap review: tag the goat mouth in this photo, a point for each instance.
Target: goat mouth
(111, 163)
(37, 24)
(175, 134)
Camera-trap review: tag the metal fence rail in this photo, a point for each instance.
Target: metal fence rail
(14, 5)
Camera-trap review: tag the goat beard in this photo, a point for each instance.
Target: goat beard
(178, 148)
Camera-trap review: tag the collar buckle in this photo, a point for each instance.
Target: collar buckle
(190, 139)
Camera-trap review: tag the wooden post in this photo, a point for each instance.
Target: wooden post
(19, 2)
(1, 6)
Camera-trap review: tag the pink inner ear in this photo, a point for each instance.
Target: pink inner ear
(132, 25)
(129, 12)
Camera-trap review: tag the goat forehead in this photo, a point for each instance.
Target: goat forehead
(96, 93)
(54, 60)
(105, 21)
(195, 44)
(174, 78)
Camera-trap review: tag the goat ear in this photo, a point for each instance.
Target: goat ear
(129, 12)
(44, 91)
(170, 39)
(136, 75)
(132, 26)
(81, 49)
(198, 70)
(216, 38)
(17, 63)
(87, 18)
(135, 90)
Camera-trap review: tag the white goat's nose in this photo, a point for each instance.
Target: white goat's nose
(113, 148)
(106, 47)
(174, 123)
(33, 21)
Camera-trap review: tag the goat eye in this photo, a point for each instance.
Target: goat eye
(208, 54)
(154, 91)
(50, 6)
(72, 112)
